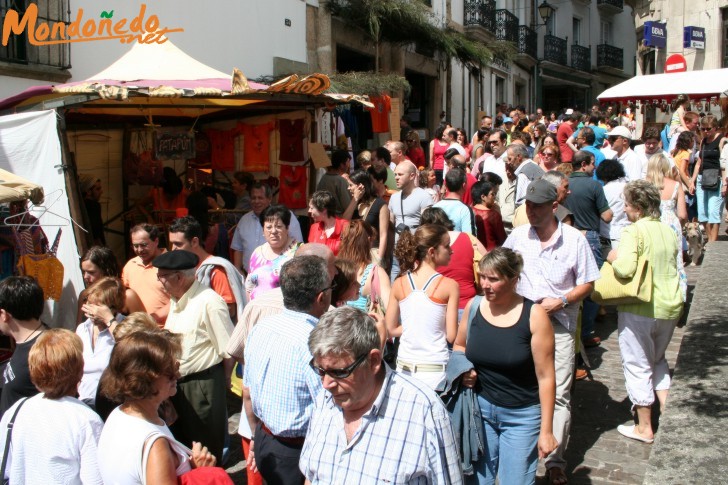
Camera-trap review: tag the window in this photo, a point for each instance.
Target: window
(576, 31)
(605, 33)
(551, 24)
(19, 51)
(500, 89)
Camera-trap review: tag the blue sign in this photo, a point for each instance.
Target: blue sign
(655, 34)
(694, 38)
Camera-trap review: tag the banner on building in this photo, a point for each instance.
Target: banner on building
(655, 34)
(694, 37)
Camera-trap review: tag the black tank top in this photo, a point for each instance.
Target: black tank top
(710, 154)
(503, 360)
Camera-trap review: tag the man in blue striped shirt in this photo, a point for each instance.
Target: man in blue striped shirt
(282, 386)
(371, 424)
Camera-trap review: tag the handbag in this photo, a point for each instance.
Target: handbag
(9, 437)
(711, 179)
(610, 289)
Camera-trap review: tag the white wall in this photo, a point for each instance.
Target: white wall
(246, 34)
(10, 86)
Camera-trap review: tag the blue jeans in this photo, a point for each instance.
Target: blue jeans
(590, 310)
(395, 270)
(511, 439)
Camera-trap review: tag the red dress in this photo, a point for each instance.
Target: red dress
(489, 223)
(461, 268)
(317, 234)
(438, 153)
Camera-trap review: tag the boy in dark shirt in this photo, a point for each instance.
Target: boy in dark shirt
(21, 304)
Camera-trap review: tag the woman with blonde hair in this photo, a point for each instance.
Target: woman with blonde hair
(549, 156)
(423, 304)
(54, 435)
(673, 210)
(372, 278)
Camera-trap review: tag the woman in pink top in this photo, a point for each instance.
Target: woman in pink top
(438, 147)
(427, 303)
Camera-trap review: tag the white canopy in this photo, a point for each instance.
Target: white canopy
(157, 62)
(696, 84)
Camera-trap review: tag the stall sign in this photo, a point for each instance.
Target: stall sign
(655, 34)
(694, 37)
(174, 144)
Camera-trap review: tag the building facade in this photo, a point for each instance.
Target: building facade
(583, 48)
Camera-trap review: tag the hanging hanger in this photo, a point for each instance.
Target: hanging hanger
(44, 209)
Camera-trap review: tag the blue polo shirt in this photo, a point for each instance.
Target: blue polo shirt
(586, 201)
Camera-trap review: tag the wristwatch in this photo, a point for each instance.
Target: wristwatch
(564, 301)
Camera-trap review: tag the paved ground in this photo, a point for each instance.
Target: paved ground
(596, 454)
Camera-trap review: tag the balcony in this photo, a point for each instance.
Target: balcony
(581, 58)
(610, 57)
(610, 7)
(506, 26)
(527, 41)
(554, 49)
(480, 13)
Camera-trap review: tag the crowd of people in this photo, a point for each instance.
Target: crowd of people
(429, 290)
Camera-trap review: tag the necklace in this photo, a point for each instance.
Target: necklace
(32, 333)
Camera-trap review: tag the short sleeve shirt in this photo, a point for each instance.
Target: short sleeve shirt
(408, 210)
(586, 201)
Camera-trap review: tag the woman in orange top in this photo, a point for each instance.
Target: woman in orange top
(326, 228)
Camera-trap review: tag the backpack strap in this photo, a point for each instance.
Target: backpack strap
(474, 305)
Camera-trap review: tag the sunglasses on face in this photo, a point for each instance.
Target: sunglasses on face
(338, 373)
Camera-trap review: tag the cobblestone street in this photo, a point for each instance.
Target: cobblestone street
(596, 454)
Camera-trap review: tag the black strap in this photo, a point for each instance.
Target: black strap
(401, 205)
(9, 437)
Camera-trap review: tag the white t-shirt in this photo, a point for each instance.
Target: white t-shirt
(121, 446)
(54, 441)
(412, 205)
(632, 165)
(95, 358)
(639, 150)
(614, 192)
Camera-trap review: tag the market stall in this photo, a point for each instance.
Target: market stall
(156, 107)
(37, 234)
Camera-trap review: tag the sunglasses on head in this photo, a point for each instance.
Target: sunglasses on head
(338, 373)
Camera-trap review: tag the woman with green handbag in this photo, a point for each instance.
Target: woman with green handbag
(646, 327)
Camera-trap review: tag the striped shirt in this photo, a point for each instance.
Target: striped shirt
(406, 437)
(555, 270)
(282, 385)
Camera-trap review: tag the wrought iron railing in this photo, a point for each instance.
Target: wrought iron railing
(554, 49)
(610, 56)
(527, 41)
(19, 51)
(581, 57)
(480, 12)
(506, 26)
(616, 4)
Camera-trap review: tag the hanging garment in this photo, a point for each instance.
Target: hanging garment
(380, 113)
(256, 143)
(294, 180)
(292, 136)
(46, 269)
(222, 149)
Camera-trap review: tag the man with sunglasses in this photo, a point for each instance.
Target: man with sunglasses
(281, 386)
(396, 429)
(620, 139)
(201, 318)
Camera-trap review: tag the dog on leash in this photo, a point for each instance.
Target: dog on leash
(696, 241)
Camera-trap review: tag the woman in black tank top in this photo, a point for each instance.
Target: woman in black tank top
(510, 341)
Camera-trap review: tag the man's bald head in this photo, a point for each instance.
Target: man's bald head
(323, 252)
(458, 161)
(409, 166)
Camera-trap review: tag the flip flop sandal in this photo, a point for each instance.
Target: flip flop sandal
(556, 476)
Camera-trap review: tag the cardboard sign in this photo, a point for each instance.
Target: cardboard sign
(318, 155)
(394, 117)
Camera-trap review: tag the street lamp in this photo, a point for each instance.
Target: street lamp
(545, 11)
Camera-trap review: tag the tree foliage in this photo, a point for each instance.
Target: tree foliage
(403, 22)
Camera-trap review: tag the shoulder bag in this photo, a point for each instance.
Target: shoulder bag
(8, 438)
(710, 176)
(610, 289)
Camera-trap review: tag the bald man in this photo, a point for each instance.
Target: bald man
(407, 205)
